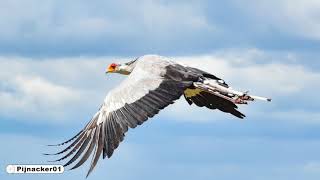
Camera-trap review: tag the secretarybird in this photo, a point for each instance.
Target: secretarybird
(152, 84)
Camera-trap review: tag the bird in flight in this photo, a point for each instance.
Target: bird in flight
(153, 83)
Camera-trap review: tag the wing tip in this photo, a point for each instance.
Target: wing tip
(89, 172)
(67, 141)
(49, 154)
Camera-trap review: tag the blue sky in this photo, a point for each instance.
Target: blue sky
(52, 60)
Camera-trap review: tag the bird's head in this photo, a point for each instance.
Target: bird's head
(125, 68)
(112, 68)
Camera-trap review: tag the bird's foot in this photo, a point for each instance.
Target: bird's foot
(239, 100)
(246, 97)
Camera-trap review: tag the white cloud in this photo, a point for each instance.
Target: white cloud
(34, 96)
(71, 20)
(59, 89)
(159, 16)
(312, 167)
(51, 89)
(247, 72)
(295, 17)
(297, 116)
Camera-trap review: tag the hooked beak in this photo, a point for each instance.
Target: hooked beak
(109, 70)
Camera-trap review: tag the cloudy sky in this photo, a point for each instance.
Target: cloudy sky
(53, 55)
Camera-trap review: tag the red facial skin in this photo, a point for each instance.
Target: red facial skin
(111, 67)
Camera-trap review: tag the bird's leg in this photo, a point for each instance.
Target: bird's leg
(216, 92)
(261, 98)
(228, 90)
(228, 93)
(222, 89)
(246, 97)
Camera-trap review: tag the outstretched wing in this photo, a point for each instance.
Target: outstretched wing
(143, 94)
